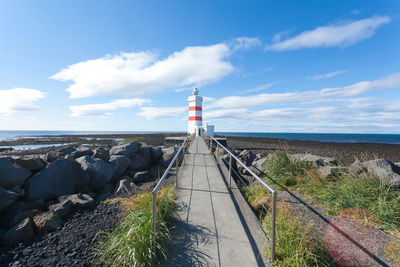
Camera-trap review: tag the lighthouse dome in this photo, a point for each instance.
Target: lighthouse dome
(195, 91)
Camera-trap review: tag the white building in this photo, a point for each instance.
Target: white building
(195, 119)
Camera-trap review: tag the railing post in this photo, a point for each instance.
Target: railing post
(177, 170)
(273, 227)
(230, 171)
(217, 153)
(153, 245)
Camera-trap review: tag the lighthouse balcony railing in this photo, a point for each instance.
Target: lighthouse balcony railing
(178, 159)
(215, 143)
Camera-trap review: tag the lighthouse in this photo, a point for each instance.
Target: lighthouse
(195, 119)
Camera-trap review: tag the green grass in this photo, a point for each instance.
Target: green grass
(366, 200)
(130, 243)
(295, 243)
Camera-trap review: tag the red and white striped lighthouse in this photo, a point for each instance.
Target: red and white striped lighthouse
(195, 119)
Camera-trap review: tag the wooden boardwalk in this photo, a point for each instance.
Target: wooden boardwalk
(211, 229)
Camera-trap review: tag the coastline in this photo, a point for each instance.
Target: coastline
(345, 153)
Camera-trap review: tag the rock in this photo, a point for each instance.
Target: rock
(63, 208)
(31, 163)
(147, 186)
(47, 221)
(247, 157)
(156, 154)
(17, 189)
(141, 177)
(100, 172)
(9, 159)
(127, 150)
(12, 174)
(62, 177)
(50, 156)
(317, 161)
(397, 163)
(261, 155)
(107, 188)
(331, 171)
(258, 165)
(37, 204)
(168, 155)
(22, 216)
(82, 151)
(2, 232)
(101, 153)
(382, 169)
(79, 201)
(62, 152)
(138, 163)
(7, 198)
(119, 164)
(125, 187)
(146, 155)
(24, 231)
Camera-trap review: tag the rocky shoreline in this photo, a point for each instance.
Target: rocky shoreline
(51, 204)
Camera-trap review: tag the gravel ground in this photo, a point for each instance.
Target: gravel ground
(345, 153)
(71, 246)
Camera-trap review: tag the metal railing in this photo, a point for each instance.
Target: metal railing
(176, 160)
(273, 192)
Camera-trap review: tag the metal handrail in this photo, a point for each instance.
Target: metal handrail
(273, 191)
(154, 192)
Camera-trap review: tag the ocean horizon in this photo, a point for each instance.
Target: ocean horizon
(321, 137)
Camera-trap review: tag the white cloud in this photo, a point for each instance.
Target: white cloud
(19, 99)
(307, 97)
(142, 73)
(343, 34)
(245, 43)
(153, 113)
(261, 87)
(105, 108)
(327, 75)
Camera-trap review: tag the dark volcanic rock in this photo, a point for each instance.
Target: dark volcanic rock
(119, 164)
(379, 168)
(7, 198)
(24, 231)
(145, 152)
(82, 151)
(138, 163)
(32, 163)
(79, 201)
(100, 171)
(63, 208)
(47, 221)
(156, 154)
(62, 177)
(101, 153)
(22, 216)
(124, 149)
(12, 174)
(71, 246)
(141, 177)
(125, 187)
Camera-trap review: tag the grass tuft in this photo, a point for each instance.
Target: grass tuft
(130, 244)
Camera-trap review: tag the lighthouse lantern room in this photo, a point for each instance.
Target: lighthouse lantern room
(195, 119)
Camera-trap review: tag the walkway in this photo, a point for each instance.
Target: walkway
(210, 230)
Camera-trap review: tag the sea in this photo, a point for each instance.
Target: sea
(321, 137)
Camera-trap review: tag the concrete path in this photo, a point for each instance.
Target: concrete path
(209, 231)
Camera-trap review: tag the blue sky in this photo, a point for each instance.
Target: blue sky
(263, 66)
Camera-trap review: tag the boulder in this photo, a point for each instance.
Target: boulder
(100, 172)
(168, 155)
(17, 189)
(316, 161)
(119, 164)
(24, 231)
(63, 208)
(258, 165)
(7, 198)
(101, 153)
(107, 188)
(146, 155)
(125, 187)
(2, 232)
(141, 177)
(50, 156)
(12, 174)
(127, 150)
(247, 157)
(62, 177)
(138, 163)
(47, 221)
(331, 171)
(62, 152)
(382, 169)
(32, 163)
(9, 159)
(79, 201)
(22, 216)
(156, 154)
(397, 163)
(82, 151)
(261, 155)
